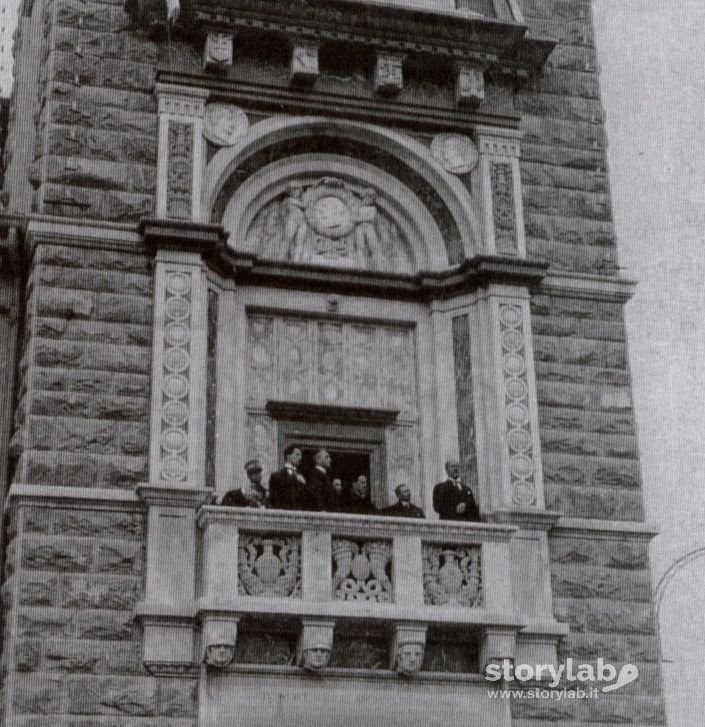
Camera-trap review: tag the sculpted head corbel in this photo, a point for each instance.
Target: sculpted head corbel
(315, 645)
(408, 648)
(218, 637)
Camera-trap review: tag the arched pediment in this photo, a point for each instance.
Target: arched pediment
(334, 209)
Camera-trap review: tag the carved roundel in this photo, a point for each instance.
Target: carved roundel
(330, 216)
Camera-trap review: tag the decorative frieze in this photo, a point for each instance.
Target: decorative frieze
(503, 208)
(452, 575)
(389, 73)
(362, 570)
(269, 566)
(179, 185)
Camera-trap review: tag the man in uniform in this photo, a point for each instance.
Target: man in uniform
(403, 506)
(453, 499)
(287, 487)
(256, 497)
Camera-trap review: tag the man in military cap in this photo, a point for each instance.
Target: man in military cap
(256, 497)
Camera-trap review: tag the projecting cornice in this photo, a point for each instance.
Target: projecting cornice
(489, 34)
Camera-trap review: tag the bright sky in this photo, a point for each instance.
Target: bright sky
(651, 56)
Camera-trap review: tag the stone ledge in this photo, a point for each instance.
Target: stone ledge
(568, 527)
(592, 287)
(83, 498)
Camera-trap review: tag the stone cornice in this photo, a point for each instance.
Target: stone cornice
(604, 529)
(593, 287)
(322, 413)
(80, 498)
(527, 518)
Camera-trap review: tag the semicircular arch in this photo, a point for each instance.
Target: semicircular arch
(408, 151)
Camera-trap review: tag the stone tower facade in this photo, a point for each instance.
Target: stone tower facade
(381, 227)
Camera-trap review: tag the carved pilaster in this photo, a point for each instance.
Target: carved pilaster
(303, 69)
(178, 432)
(512, 448)
(498, 186)
(469, 86)
(389, 73)
(181, 151)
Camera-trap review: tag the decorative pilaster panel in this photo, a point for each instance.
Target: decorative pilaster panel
(179, 364)
(464, 402)
(510, 411)
(181, 151)
(497, 184)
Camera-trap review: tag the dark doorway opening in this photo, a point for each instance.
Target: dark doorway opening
(347, 466)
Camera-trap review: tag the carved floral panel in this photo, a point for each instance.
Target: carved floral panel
(452, 575)
(327, 222)
(362, 570)
(269, 565)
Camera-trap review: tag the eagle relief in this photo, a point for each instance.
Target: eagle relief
(327, 222)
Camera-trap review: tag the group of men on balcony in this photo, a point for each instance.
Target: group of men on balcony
(290, 490)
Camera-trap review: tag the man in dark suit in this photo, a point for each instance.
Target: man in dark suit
(256, 497)
(403, 506)
(453, 499)
(358, 501)
(319, 490)
(287, 487)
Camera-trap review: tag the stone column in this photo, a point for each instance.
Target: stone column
(181, 154)
(497, 186)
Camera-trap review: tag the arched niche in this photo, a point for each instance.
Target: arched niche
(235, 195)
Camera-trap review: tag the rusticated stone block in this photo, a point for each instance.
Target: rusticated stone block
(37, 589)
(92, 382)
(124, 525)
(612, 648)
(89, 16)
(87, 98)
(546, 710)
(104, 625)
(104, 281)
(94, 591)
(129, 696)
(596, 582)
(177, 698)
(606, 553)
(82, 656)
(621, 708)
(84, 405)
(95, 260)
(102, 204)
(605, 616)
(27, 654)
(65, 303)
(44, 623)
(119, 556)
(38, 693)
(594, 502)
(124, 309)
(57, 554)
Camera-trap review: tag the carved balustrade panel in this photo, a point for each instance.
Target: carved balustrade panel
(362, 570)
(269, 565)
(452, 575)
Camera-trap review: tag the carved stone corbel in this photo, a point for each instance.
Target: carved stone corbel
(218, 51)
(408, 647)
(497, 647)
(389, 73)
(303, 68)
(315, 644)
(469, 86)
(218, 639)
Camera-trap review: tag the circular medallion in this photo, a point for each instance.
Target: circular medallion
(175, 413)
(177, 308)
(174, 440)
(176, 335)
(178, 284)
(176, 360)
(512, 340)
(510, 315)
(175, 386)
(519, 440)
(513, 364)
(523, 494)
(331, 217)
(174, 468)
(224, 124)
(517, 415)
(521, 466)
(516, 389)
(455, 153)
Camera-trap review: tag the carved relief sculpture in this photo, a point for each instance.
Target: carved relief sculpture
(408, 648)
(327, 222)
(224, 124)
(218, 637)
(452, 575)
(315, 644)
(361, 570)
(269, 566)
(502, 182)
